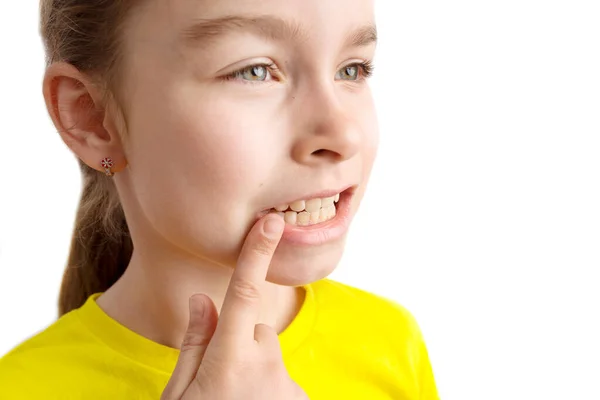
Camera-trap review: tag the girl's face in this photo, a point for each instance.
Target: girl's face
(235, 107)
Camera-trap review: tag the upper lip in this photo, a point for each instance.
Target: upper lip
(316, 195)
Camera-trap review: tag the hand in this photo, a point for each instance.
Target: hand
(231, 356)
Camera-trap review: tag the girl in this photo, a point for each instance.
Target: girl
(225, 146)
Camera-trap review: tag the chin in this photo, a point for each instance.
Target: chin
(301, 265)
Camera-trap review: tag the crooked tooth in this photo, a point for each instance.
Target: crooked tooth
(303, 218)
(313, 205)
(336, 198)
(327, 201)
(282, 207)
(290, 217)
(298, 205)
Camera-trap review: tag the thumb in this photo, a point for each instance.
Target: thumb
(201, 327)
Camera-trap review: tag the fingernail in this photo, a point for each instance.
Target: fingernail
(273, 226)
(199, 304)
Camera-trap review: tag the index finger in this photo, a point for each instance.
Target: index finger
(241, 307)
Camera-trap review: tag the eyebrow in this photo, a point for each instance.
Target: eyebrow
(204, 32)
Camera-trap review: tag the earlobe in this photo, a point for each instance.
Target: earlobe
(107, 164)
(74, 104)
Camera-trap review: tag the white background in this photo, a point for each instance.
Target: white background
(483, 211)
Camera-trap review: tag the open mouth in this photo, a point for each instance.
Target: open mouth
(319, 219)
(311, 211)
(308, 212)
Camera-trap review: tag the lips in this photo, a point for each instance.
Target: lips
(321, 233)
(329, 227)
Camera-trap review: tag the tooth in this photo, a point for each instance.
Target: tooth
(323, 214)
(298, 205)
(290, 217)
(303, 218)
(330, 212)
(313, 205)
(281, 214)
(282, 207)
(328, 201)
(337, 198)
(314, 216)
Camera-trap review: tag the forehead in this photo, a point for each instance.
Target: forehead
(194, 23)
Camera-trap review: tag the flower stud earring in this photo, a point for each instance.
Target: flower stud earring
(107, 164)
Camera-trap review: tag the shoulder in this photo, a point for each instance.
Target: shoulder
(60, 333)
(346, 300)
(36, 362)
(385, 333)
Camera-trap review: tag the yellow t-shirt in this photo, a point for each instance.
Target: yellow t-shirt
(344, 344)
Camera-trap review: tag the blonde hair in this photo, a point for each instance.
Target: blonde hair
(88, 35)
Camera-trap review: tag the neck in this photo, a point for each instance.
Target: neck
(151, 298)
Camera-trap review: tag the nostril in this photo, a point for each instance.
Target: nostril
(325, 154)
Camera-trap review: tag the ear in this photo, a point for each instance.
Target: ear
(74, 103)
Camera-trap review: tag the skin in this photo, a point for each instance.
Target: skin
(235, 358)
(203, 155)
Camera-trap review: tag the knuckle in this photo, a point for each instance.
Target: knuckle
(246, 291)
(266, 335)
(192, 340)
(264, 246)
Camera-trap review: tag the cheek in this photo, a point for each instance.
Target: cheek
(368, 121)
(198, 167)
(211, 146)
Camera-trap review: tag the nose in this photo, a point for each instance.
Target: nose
(326, 131)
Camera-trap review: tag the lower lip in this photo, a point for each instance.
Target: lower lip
(324, 232)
